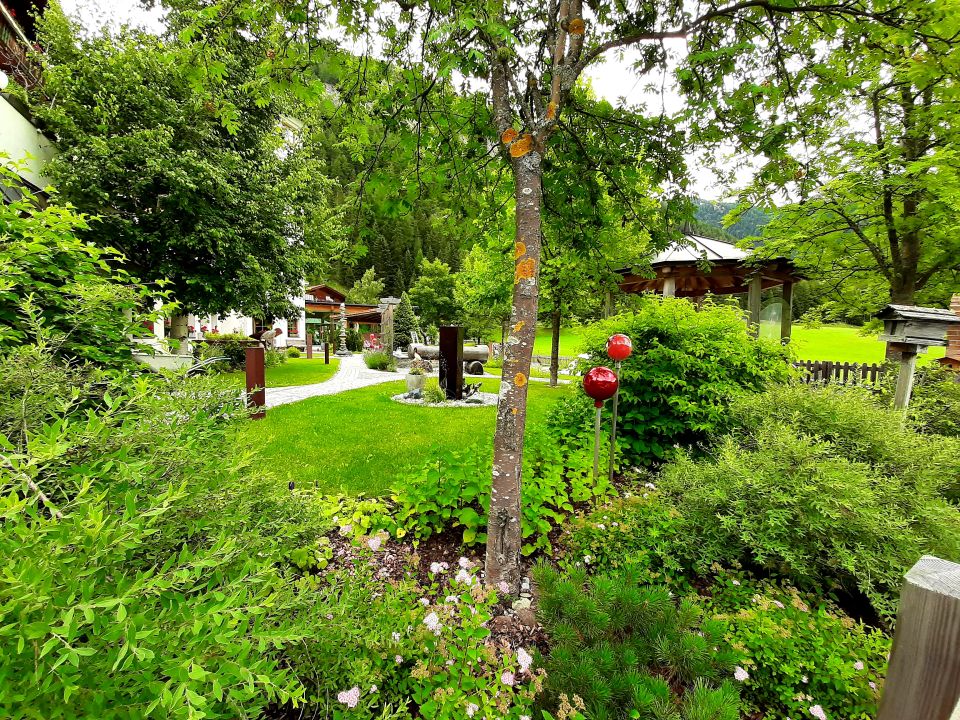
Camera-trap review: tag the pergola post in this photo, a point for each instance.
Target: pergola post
(669, 286)
(753, 304)
(786, 313)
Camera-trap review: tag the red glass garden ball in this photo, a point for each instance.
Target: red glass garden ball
(619, 347)
(601, 384)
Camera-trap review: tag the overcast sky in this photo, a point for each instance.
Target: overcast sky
(611, 79)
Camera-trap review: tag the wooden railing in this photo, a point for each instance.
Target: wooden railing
(843, 373)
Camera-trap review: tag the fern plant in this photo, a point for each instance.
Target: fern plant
(630, 651)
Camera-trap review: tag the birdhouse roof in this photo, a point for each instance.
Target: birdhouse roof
(914, 312)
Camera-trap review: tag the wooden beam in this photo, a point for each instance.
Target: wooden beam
(923, 679)
(786, 317)
(753, 303)
(908, 366)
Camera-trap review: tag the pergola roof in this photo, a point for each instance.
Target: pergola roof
(697, 249)
(727, 272)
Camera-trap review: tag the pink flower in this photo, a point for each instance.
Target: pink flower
(374, 543)
(463, 576)
(872, 684)
(398, 659)
(436, 568)
(503, 587)
(464, 563)
(472, 709)
(778, 604)
(736, 582)
(858, 665)
(507, 678)
(396, 637)
(373, 689)
(524, 659)
(350, 697)
(740, 675)
(524, 717)
(818, 712)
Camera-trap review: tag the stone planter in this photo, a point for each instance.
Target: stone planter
(415, 382)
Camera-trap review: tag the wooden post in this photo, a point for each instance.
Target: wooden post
(753, 304)
(908, 366)
(786, 313)
(669, 287)
(326, 353)
(923, 679)
(256, 382)
(309, 344)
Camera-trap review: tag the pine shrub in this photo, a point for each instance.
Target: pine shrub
(628, 650)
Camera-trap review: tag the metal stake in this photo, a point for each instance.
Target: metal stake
(596, 444)
(613, 425)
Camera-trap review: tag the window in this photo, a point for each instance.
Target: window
(294, 327)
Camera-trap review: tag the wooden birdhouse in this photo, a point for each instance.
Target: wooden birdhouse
(912, 325)
(909, 329)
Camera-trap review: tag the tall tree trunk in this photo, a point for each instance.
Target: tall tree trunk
(503, 526)
(555, 343)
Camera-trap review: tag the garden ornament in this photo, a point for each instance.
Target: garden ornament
(619, 348)
(601, 384)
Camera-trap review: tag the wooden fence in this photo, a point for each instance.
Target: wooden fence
(843, 373)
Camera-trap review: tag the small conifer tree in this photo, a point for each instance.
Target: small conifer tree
(404, 322)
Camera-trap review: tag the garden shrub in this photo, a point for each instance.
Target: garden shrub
(640, 532)
(380, 360)
(934, 407)
(142, 582)
(851, 425)
(794, 507)
(52, 280)
(433, 393)
(452, 490)
(629, 651)
(399, 644)
(230, 345)
(293, 352)
(274, 358)
(686, 367)
(799, 652)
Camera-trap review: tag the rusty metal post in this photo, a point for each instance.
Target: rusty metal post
(451, 361)
(256, 382)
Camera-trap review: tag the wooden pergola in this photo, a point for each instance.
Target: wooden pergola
(697, 266)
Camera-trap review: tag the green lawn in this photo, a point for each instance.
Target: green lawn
(843, 343)
(569, 341)
(361, 441)
(297, 371)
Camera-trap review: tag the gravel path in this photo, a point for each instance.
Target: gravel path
(351, 375)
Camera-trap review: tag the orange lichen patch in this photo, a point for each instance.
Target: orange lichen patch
(522, 146)
(515, 411)
(525, 270)
(576, 26)
(519, 250)
(519, 326)
(519, 379)
(551, 110)
(508, 136)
